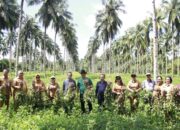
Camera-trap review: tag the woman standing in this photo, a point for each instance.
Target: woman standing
(157, 88)
(39, 91)
(118, 90)
(167, 89)
(134, 87)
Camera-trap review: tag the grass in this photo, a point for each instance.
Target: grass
(46, 119)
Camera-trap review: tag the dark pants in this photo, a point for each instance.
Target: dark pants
(83, 104)
(100, 99)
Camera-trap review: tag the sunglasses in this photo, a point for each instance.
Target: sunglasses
(37, 77)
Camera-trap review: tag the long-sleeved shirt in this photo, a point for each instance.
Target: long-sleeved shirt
(148, 85)
(66, 85)
(101, 87)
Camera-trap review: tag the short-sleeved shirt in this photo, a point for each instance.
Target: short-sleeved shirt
(81, 85)
(168, 89)
(148, 85)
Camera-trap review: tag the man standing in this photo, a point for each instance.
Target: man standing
(19, 90)
(148, 86)
(69, 82)
(6, 92)
(84, 84)
(100, 89)
(69, 87)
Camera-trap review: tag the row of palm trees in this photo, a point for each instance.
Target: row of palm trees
(133, 52)
(22, 32)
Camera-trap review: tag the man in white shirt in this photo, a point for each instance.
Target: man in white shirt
(148, 86)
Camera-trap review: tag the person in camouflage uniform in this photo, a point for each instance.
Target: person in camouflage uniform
(53, 90)
(20, 90)
(5, 89)
(134, 87)
(119, 89)
(39, 92)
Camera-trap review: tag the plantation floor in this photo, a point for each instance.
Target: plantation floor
(144, 119)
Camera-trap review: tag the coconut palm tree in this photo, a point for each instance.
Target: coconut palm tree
(108, 21)
(8, 14)
(172, 9)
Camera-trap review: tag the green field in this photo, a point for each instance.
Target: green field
(143, 119)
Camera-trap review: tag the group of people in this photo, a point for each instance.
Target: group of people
(156, 90)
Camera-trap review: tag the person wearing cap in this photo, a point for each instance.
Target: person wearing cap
(100, 89)
(119, 89)
(134, 87)
(5, 90)
(19, 89)
(84, 84)
(53, 89)
(148, 84)
(148, 87)
(38, 88)
(69, 82)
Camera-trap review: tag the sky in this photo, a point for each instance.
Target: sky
(84, 12)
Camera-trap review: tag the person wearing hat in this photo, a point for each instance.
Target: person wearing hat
(39, 89)
(53, 89)
(6, 86)
(148, 86)
(134, 87)
(20, 89)
(84, 84)
(119, 89)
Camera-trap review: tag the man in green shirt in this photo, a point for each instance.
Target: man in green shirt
(84, 85)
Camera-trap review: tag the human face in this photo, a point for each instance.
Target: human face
(69, 75)
(159, 80)
(38, 78)
(133, 77)
(168, 80)
(5, 73)
(102, 77)
(21, 75)
(83, 75)
(148, 77)
(53, 80)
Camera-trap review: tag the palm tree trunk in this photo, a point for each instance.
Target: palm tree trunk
(54, 53)
(18, 39)
(109, 56)
(104, 58)
(30, 57)
(172, 57)
(44, 45)
(155, 44)
(10, 56)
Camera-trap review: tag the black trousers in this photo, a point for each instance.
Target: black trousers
(83, 104)
(100, 97)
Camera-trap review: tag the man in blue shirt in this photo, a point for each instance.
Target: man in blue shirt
(100, 89)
